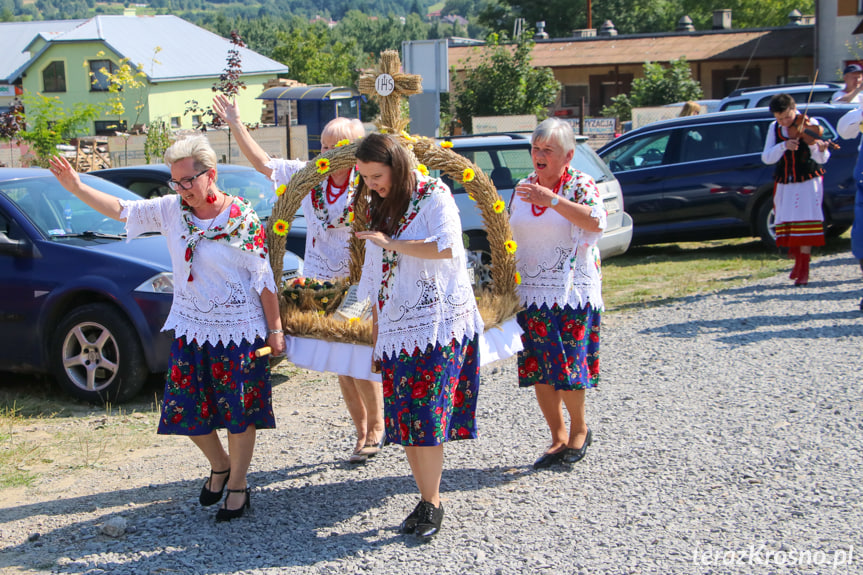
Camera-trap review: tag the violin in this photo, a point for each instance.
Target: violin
(802, 128)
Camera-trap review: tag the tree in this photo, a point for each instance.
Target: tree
(50, 124)
(503, 83)
(315, 56)
(660, 85)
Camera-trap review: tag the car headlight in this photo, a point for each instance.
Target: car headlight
(159, 283)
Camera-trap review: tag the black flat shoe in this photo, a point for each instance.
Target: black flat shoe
(225, 514)
(549, 459)
(428, 521)
(208, 497)
(572, 455)
(409, 525)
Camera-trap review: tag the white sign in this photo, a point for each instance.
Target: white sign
(384, 85)
(599, 126)
(492, 124)
(7, 90)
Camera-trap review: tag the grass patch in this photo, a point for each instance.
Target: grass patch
(660, 274)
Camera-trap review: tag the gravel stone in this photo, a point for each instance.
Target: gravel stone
(728, 438)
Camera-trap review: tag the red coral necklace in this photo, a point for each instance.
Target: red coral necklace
(333, 196)
(539, 210)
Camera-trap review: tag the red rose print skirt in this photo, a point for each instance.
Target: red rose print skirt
(430, 397)
(561, 347)
(216, 387)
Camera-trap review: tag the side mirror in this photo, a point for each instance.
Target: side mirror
(17, 248)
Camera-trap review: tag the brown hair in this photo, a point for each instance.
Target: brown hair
(387, 212)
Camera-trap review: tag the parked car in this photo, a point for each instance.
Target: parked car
(506, 159)
(151, 180)
(759, 97)
(701, 177)
(79, 302)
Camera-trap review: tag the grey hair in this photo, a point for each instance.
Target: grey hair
(556, 131)
(197, 147)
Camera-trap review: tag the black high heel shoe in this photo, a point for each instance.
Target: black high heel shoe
(208, 497)
(225, 514)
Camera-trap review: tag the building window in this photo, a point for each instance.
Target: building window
(196, 120)
(175, 122)
(573, 94)
(54, 77)
(109, 127)
(98, 75)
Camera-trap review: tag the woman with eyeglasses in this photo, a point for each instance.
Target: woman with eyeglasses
(224, 309)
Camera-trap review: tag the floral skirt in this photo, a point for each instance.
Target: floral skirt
(430, 397)
(561, 347)
(213, 387)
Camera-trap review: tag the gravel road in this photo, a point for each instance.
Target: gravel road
(727, 430)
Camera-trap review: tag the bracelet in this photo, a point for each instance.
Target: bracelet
(272, 331)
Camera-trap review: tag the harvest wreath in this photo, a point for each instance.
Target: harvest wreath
(497, 302)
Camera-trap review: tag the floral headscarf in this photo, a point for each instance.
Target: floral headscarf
(243, 231)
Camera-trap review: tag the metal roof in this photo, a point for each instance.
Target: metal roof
(309, 93)
(18, 35)
(186, 51)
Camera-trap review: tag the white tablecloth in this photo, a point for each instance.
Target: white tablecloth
(356, 360)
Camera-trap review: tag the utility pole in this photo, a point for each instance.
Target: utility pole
(589, 15)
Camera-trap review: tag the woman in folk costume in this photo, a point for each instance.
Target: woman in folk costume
(426, 320)
(799, 186)
(328, 209)
(224, 308)
(557, 221)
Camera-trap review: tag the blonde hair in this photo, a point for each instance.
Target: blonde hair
(690, 108)
(197, 147)
(344, 129)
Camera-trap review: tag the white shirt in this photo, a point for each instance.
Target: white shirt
(558, 261)
(328, 254)
(849, 124)
(858, 99)
(222, 303)
(428, 301)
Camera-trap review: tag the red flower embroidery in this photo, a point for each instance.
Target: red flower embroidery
(578, 333)
(235, 211)
(463, 432)
(420, 390)
(540, 329)
(531, 365)
(458, 399)
(388, 387)
(594, 337)
(218, 370)
(175, 374)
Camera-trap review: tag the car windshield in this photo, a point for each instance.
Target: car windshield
(59, 214)
(251, 185)
(586, 160)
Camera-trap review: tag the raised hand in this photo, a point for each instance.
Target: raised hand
(226, 109)
(65, 173)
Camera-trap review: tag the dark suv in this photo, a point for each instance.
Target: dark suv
(701, 178)
(506, 159)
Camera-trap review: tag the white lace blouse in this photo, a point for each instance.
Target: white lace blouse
(558, 261)
(426, 301)
(223, 303)
(328, 253)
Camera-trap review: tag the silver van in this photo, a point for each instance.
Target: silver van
(759, 97)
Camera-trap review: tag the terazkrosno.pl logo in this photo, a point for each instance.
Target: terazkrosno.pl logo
(762, 555)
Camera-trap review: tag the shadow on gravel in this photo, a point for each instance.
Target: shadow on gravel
(295, 520)
(746, 330)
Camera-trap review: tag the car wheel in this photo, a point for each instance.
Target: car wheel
(835, 230)
(96, 355)
(765, 224)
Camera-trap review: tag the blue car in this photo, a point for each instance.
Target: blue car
(700, 178)
(78, 301)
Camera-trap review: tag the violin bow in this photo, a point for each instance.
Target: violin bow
(811, 91)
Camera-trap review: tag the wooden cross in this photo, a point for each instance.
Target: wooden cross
(389, 87)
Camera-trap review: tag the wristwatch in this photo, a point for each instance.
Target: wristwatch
(555, 200)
